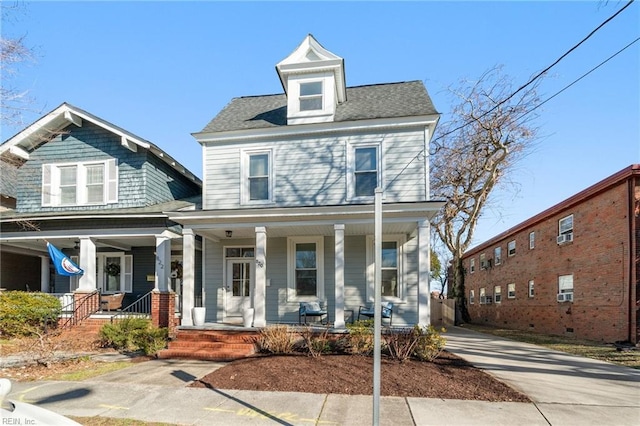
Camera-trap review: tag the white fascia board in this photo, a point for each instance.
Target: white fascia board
(72, 118)
(92, 233)
(399, 211)
(84, 216)
(317, 128)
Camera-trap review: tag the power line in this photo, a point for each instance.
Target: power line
(537, 76)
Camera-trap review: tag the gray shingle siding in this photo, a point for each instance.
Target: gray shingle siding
(143, 179)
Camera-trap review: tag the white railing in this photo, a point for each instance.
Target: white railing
(66, 301)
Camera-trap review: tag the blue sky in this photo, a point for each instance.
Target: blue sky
(162, 70)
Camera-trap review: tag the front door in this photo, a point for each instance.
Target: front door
(238, 286)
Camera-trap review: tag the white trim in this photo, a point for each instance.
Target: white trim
(351, 168)
(245, 155)
(291, 268)
(51, 194)
(370, 271)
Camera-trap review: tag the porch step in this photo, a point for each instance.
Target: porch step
(211, 345)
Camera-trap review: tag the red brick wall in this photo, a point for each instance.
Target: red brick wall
(163, 310)
(598, 258)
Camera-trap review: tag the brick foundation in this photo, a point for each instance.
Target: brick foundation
(163, 310)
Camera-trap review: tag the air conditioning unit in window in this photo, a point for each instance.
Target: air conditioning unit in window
(565, 297)
(489, 300)
(564, 238)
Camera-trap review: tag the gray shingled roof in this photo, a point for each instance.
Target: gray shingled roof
(390, 100)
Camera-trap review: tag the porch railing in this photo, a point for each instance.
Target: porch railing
(140, 308)
(80, 309)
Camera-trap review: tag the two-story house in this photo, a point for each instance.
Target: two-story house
(288, 197)
(97, 192)
(569, 270)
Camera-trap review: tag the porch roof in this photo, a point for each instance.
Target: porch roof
(397, 218)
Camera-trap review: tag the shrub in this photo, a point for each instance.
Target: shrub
(360, 337)
(401, 343)
(130, 334)
(27, 314)
(316, 343)
(429, 344)
(276, 339)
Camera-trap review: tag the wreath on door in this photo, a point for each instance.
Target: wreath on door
(112, 269)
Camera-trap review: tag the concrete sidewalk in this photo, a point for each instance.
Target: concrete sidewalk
(565, 390)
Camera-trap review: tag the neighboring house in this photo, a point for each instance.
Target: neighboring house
(98, 193)
(570, 270)
(288, 197)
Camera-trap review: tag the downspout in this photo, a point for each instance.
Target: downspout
(634, 212)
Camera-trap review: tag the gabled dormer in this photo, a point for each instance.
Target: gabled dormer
(314, 82)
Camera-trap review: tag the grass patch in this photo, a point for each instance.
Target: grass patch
(91, 370)
(110, 421)
(585, 348)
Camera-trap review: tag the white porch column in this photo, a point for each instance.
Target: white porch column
(424, 269)
(260, 290)
(87, 282)
(188, 274)
(338, 321)
(163, 263)
(44, 274)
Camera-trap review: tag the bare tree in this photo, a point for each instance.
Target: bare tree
(490, 130)
(13, 54)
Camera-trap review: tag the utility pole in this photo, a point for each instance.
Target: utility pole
(377, 304)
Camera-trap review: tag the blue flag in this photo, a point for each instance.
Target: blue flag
(64, 265)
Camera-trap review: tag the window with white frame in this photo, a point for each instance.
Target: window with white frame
(392, 267)
(565, 225)
(511, 290)
(565, 283)
(532, 240)
(472, 265)
(257, 174)
(511, 248)
(311, 96)
(497, 255)
(305, 266)
(483, 295)
(483, 261)
(531, 288)
(80, 184)
(364, 172)
(497, 294)
(472, 297)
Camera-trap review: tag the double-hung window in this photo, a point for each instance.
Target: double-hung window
(80, 184)
(311, 96)
(392, 283)
(532, 240)
(258, 177)
(511, 290)
(565, 283)
(565, 229)
(531, 288)
(472, 297)
(511, 248)
(364, 171)
(305, 268)
(497, 294)
(497, 255)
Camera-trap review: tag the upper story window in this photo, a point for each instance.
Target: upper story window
(565, 229)
(483, 261)
(472, 265)
(311, 96)
(497, 294)
(364, 170)
(472, 297)
(532, 240)
(497, 255)
(257, 177)
(511, 248)
(80, 184)
(531, 288)
(511, 290)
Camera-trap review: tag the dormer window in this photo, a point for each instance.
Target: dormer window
(311, 96)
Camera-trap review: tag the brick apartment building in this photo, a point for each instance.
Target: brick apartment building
(570, 270)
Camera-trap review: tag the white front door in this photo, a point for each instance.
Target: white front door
(238, 285)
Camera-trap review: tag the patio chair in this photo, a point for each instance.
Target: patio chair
(311, 309)
(369, 312)
(111, 302)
